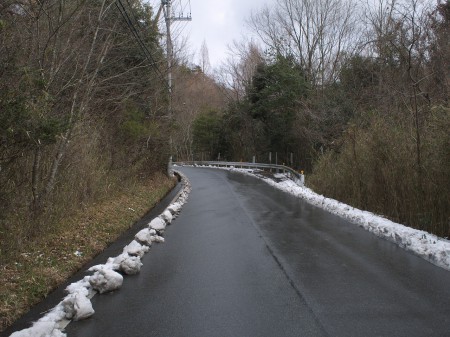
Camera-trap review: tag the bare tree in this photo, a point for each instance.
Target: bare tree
(398, 32)
(69, 60)
(79, 80)
(316, 33)
(237, 71)
(204, 58)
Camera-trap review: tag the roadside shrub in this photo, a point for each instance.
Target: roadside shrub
(376, 169)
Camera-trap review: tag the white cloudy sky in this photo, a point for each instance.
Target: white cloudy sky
(218, 22)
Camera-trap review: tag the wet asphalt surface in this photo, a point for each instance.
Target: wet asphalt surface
(244, 259)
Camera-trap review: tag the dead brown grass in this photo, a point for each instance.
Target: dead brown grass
(31, 273)
(377, 169)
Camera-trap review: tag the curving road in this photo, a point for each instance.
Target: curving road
(244, 259)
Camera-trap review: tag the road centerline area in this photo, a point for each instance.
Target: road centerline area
(276, 258)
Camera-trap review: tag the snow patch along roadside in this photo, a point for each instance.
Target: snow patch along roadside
(426, 245)
(106, 277)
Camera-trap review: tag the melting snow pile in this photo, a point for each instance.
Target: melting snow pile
(77, 305)
(106, 277)
(428, 246)
(145, 236)
(158, 224)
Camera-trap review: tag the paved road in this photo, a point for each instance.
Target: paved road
(244, 259)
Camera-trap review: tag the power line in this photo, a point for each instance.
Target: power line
(133, 30)
(166, 5)
(137, 23)
(183, 9)
(120, 6)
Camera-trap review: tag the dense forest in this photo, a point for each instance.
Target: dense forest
(355, 95)
(83, 108)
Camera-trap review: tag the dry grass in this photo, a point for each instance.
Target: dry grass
(49, 260)
(376, 169)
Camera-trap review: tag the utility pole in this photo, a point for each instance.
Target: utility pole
(167, 6)
(169, 17)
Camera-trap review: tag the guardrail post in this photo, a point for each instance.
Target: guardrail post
(276, 161)
(270, 160)
(169, 167)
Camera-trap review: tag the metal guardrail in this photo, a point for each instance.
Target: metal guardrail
(298, 178)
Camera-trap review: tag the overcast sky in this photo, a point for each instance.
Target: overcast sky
(217, 22)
